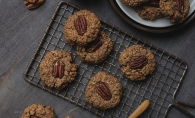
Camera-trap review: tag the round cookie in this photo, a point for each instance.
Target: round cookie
(97, 51)
(133, 3)
(136, 62)
(38, 111)
(103, 91)
(149, 11)
(81, 28)
(57, 70)
(174, 10)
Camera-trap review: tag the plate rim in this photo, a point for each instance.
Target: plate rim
(151, 29)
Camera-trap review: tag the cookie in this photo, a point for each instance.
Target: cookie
(57, 69)
(33, 4)
(136, 62)
(133, 3)
(103, 91)
(175, 10)
(38, 111)
(96, 51)
(149, 11)
(81, 28)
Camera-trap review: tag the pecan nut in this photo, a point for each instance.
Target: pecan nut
(58, 69)
(103, 91)
(34, 116)
(153, 3)
(32, 4)
(180, 5)
(80, 25)
(94, 45)
(139, 62)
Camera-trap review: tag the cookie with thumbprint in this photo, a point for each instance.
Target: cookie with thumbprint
(38, 111)
(150, 10)
(81, 28)
(96, 51)
(57, 69)
(136, 62)
(103, 91)
(175, 10)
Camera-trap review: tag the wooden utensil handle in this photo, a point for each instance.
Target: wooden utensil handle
(144, 105)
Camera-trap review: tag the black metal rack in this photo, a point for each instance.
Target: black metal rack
(159, 88)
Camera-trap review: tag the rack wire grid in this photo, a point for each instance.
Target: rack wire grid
(159, 87)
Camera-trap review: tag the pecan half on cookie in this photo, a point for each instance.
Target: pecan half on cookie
(103, 91)
(96, 51)
(139, 62)
(94, 45)
(80, 25)
(32, 4)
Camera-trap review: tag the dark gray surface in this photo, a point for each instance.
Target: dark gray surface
(21, 31)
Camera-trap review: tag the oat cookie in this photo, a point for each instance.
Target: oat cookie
(96, 51)
(81, 28)
(175, 10)
(57, 69)
(136, 62)
(133, 3)
(150, 10)
(103, 91)
(38, 111)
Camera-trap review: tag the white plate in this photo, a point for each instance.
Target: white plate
(159, 23)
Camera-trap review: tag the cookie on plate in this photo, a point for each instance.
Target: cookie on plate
(57, 69)
(133, 3)
(38, 111)
(136, 62)
(150, 10)
(96, 51)
(81, 28)
(103, 91)
(175, 10)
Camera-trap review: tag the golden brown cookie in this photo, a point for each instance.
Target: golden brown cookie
(96, 51)
(136, 62)
(38, 111)
(103, 91)
(57, 69)
(150, 10)
(175, 10)
(81, 28)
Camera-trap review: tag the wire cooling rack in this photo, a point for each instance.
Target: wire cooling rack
(159, 88)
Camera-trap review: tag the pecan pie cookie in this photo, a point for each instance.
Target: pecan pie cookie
(38, 111)
(136, 62)
(149, 10)
(133, 3)
(96, 51)
(103, 91)
(32, 4)
(81, 28)
(175, 10)
(57, 69)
